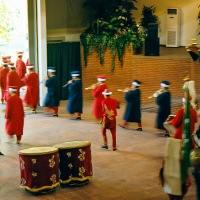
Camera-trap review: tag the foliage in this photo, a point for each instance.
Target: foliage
(5, 22)
(148, 16)
(111, 27)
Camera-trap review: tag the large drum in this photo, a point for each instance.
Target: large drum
(75, 162)
(39, 169)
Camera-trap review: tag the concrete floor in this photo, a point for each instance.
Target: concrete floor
(130, 173)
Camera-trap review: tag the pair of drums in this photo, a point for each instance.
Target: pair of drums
(42, 169)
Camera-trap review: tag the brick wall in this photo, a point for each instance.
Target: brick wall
(150, 70)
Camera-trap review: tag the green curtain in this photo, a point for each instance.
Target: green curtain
(65, 57)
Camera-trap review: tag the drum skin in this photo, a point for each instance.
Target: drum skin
(195, 158)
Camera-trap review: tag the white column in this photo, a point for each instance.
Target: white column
(42, 47)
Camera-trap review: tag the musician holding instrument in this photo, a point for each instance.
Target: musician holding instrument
(163, 100)
(133, 105)
(97, 90)
(75, 96)
(52, 100)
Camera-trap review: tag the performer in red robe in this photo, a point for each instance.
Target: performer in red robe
(109, 107)
(20, 66)
(177, 122)
(3, 76)
(12, 79)
(14, 115)
(98, 97)
(31, 80)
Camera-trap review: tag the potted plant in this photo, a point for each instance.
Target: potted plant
(148, 16)
(111, 27)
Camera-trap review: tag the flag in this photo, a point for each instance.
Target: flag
(186, 140)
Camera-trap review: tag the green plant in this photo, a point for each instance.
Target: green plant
(148, 16)
(111, 27)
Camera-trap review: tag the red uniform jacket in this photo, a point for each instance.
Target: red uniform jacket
(20, 68)
(177, 122)
(31, 97)
(98, 98)
(3, 77)
(109, 107)
(13, 80)
(14, 115)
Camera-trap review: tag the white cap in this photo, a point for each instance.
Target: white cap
(12, 89)
(136, 83)
(106, 92)
(30, 66)
(51, 70)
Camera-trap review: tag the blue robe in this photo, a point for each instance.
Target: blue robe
(75, 100)
(52, 97)
(164, 108)
(133, 106)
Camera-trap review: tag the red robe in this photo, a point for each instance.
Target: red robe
(14, 115)
(12, 80)
(31, 97)
(98, 98)
(177, 122)
(109, 109)
(20, 68)
(3, 77)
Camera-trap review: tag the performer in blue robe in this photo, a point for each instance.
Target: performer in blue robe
(133, 106)
(52, 98)
(163, 101)
(75, 98)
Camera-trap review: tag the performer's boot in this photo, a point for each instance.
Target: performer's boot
(139, 126)
(124, 124)
(1, 154)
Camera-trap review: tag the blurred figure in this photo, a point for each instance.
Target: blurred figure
(178, 120)
(97, 90)
(14, 115)
(3, 76)
(191, 87)
(133, 105)
(20, 65)
(12, 80)
(163, 101)
(52, 98)
(75, 98)
(31, 80)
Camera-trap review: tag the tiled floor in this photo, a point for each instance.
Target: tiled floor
(130, 173)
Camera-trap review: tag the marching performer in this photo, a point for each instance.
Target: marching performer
(20, 65)
(109, 107)
(14, 115)
(133, 106)
(75, 99)
(12, 79)
(3, 76)
(31, 80)
(175, 173)
(97, 90)
(52, 98)
(177, 121)
(163, 101)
